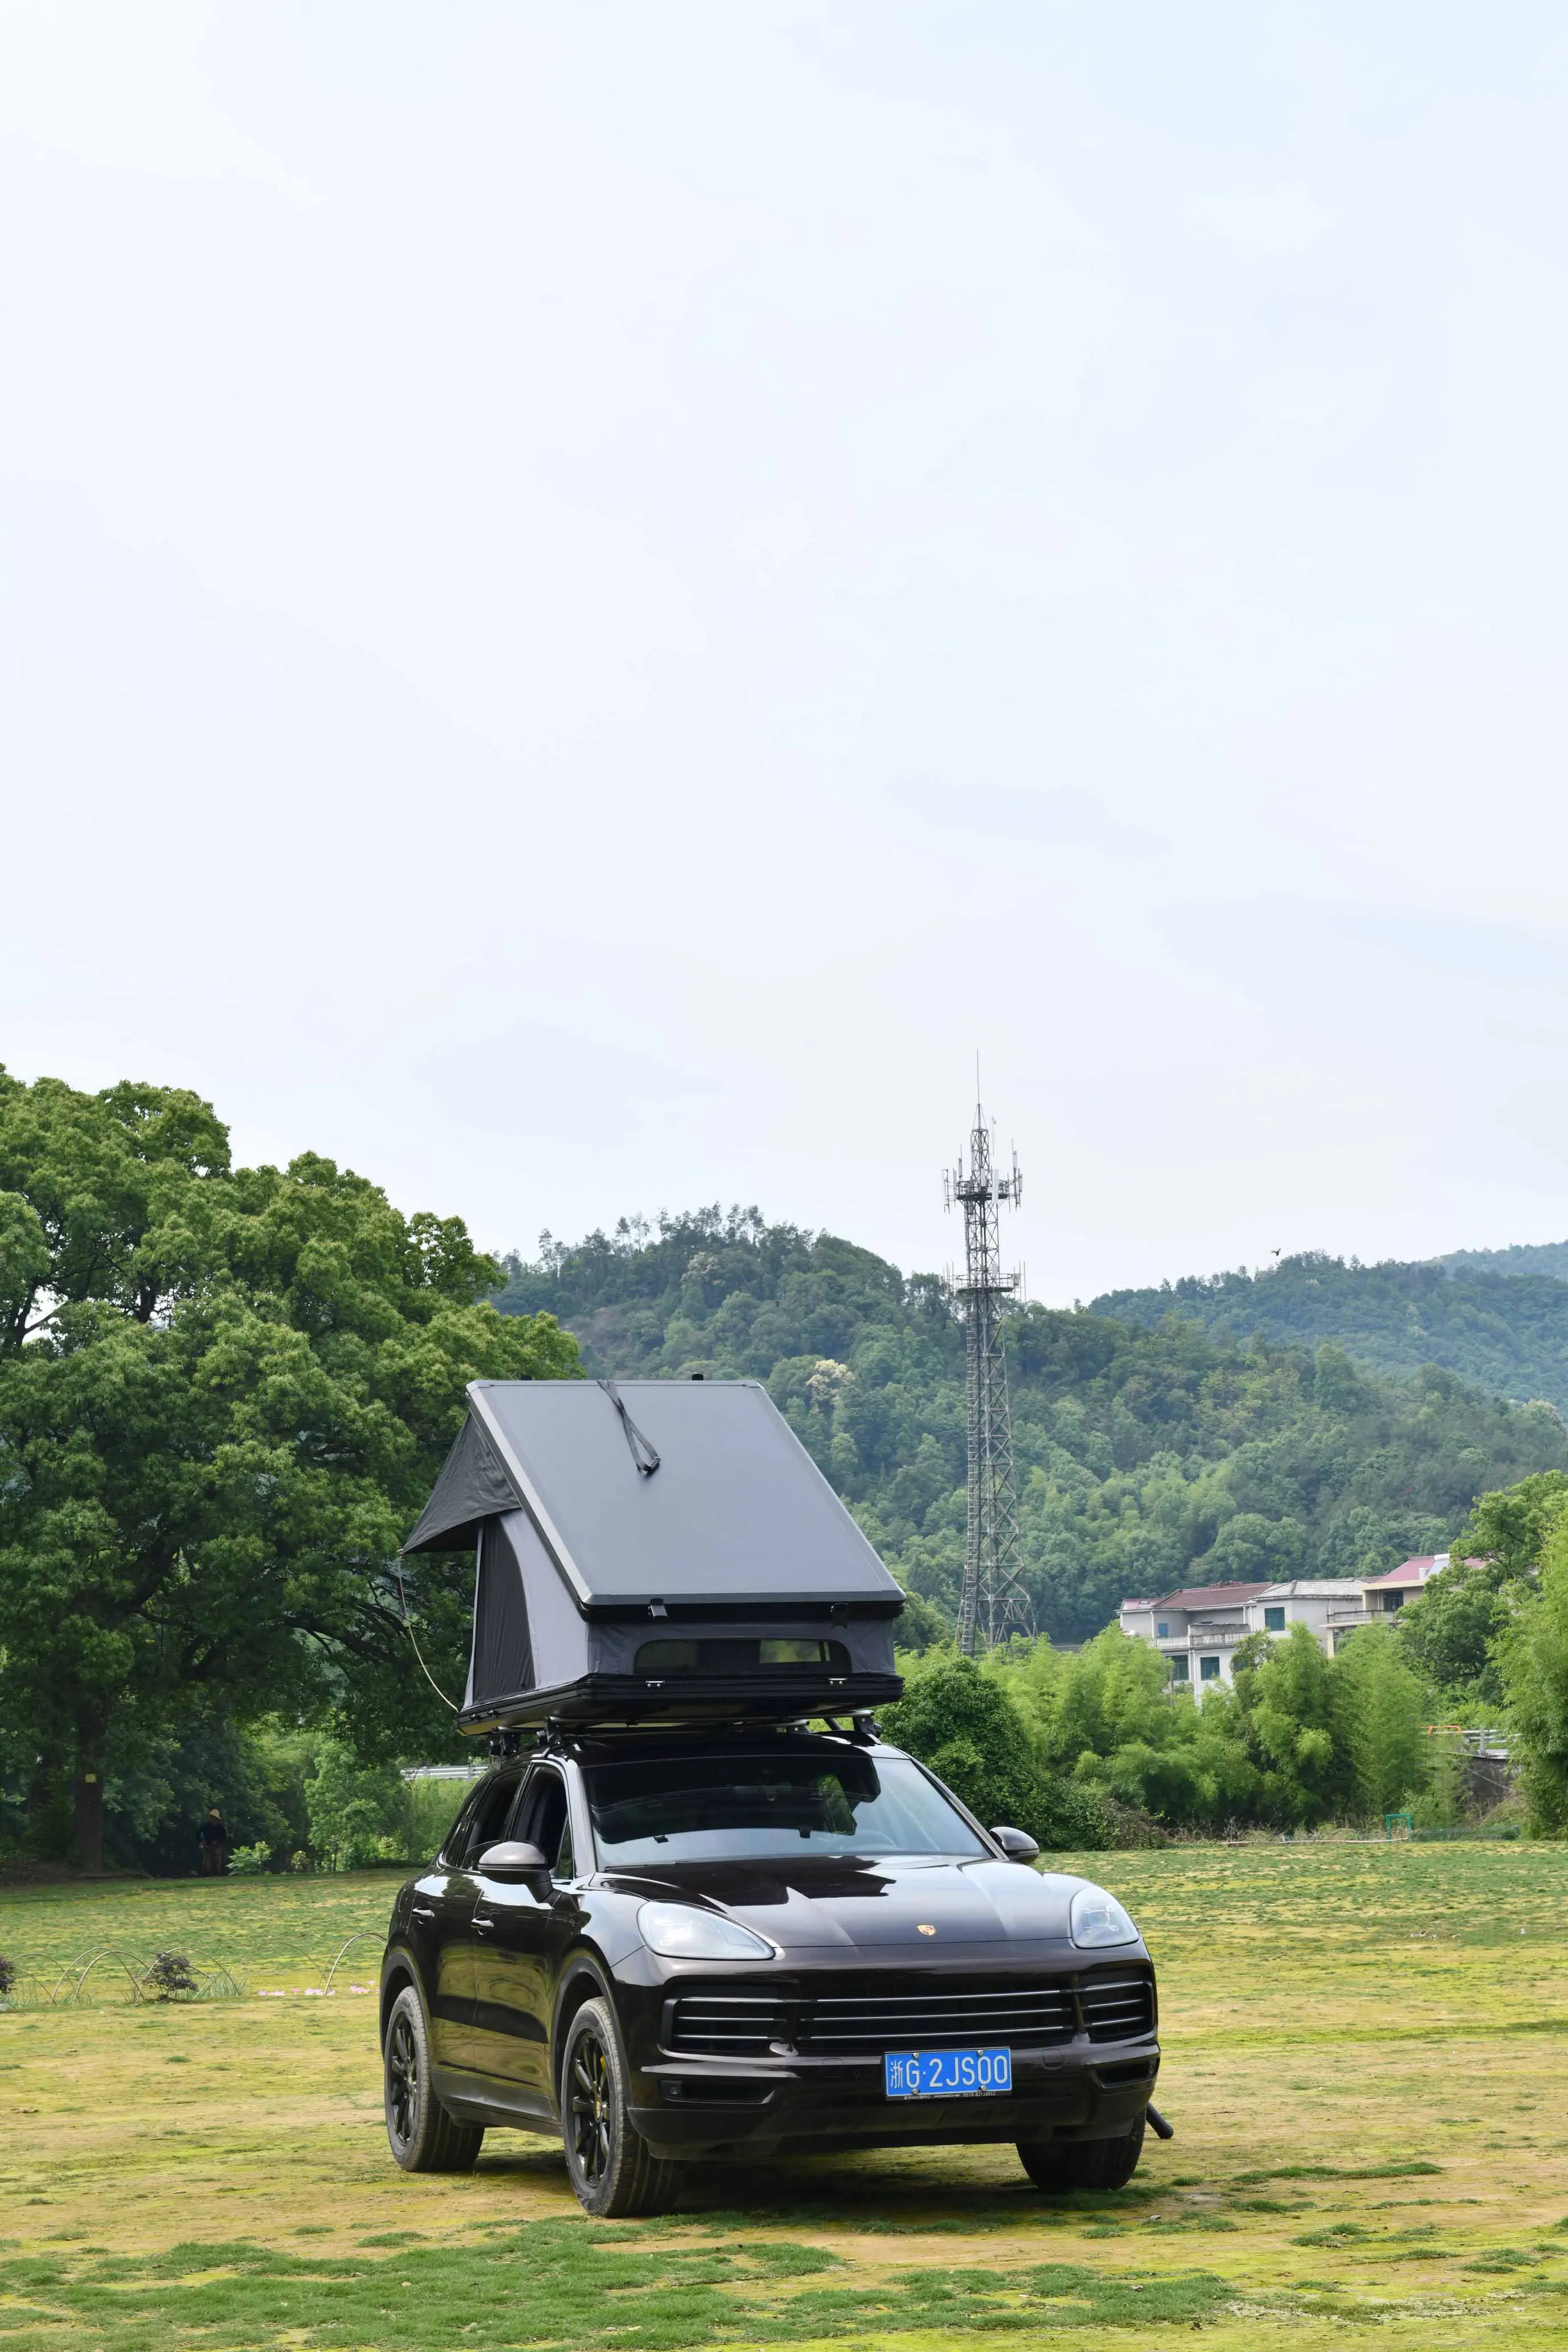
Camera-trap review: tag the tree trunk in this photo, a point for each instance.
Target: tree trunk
(87, 1839)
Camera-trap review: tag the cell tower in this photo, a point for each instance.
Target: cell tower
(995, 1603)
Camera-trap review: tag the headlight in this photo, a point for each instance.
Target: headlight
(681, 1932)
(1096, 1918)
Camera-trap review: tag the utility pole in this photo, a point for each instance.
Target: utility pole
(995, 1603)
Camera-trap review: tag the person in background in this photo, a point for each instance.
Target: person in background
(215, 1843)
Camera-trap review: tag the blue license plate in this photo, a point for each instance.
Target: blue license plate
(946, 2073)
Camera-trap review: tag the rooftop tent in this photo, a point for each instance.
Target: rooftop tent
(655, 1550)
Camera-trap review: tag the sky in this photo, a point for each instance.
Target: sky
(594, 600)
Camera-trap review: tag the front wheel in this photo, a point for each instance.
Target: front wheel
(1067, 2164)
(609, 2163)
(422, 2135)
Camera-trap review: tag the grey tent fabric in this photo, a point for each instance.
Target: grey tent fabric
(502, 1659)
(733, 1582)
(472, 1488)
(738, 1504)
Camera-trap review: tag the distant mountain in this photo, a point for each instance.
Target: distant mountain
(1148, 1458)
(1520, 1258)
(1497, 1317)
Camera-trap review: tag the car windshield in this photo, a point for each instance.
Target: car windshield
(708, 1808)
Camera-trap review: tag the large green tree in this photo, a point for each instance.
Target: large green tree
(1532, 1654)
(1452, 1628)
(223, 1396)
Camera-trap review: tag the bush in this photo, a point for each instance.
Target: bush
(964, 1725)
(168, 1976)
(250, 1861)
(7, 1975)
(359, 1813)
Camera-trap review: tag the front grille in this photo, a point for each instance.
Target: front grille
(1034, 2017)
(1118, 2006)
(728, 2025)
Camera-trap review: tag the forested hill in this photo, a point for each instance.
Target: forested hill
(1499, 1319)
(1520, 1258)
(1148, 1456)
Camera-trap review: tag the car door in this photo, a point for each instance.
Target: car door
(522, 1934)
(441, 1920)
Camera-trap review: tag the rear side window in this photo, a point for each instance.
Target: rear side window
(544, 1820)
(482, 1822)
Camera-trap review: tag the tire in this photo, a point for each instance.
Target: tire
(422, 2135)
(1061, 2165)
(609, 2163)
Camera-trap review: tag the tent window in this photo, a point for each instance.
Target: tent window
(503, 1653)
(716, 1655)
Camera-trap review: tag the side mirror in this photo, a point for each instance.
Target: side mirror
(1016, 1844)
(512, 1861)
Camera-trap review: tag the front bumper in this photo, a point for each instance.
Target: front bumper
(1054, 2097)
(753, 2106)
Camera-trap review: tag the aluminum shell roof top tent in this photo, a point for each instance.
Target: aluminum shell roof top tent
(656, 1551)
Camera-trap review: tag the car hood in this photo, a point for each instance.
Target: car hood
(929, 1907)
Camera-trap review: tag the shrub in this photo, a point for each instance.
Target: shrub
(7, 1976)
(359, 1813)
(250, 1861)
(168, 1974)
(965, 1727)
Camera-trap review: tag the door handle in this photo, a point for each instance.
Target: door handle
(422, 1910)
(483, 1923)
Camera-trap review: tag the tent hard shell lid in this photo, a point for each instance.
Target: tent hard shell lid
(656, 1551)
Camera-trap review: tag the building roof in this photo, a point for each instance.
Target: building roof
(1211, 1596)
(1314, 1587)
(1409, 1571)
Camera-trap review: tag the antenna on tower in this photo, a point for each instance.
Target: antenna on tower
(993, 1603)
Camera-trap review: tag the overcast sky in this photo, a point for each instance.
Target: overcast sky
(593, 596)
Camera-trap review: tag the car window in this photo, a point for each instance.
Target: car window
(455, 1841)
(487, 1821)
(712, 1808)
(544, 1820)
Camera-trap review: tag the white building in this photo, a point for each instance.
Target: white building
(1198, 1628)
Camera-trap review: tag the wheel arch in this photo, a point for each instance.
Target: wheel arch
(397, 1973)
(584, 1978)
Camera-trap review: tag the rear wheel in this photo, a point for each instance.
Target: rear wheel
(422, 2135)
(1063, 2164)
(609, 2163)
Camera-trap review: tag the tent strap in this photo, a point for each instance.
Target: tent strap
(642, 1453)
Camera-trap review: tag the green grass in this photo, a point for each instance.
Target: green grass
(270, 1932)
(554, 2282)
(1365, 2061)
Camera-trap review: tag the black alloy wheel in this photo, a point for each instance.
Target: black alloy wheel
(403, 2086)
(610, 2165)
(588, 2099)
(421, 2133)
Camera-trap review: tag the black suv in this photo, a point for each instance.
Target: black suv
(678, 1947)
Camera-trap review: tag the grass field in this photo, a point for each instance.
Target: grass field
(1365, 2064)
